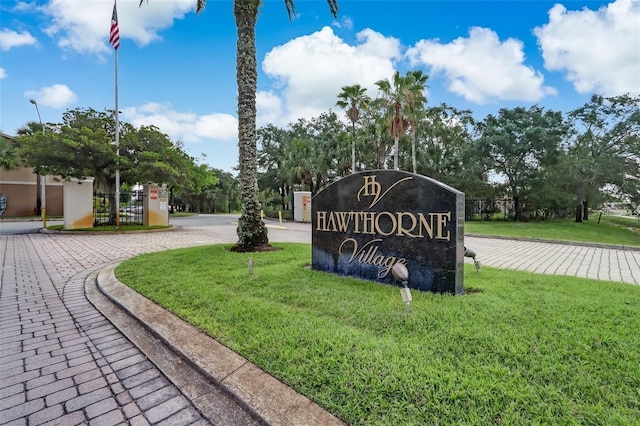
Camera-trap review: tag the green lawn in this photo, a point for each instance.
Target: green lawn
(182, 214)
(518, 349)
(610, 230)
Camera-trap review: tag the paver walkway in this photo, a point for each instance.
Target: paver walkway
(600, 263)
(62, 362)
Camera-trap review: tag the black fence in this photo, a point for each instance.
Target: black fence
(130, 208)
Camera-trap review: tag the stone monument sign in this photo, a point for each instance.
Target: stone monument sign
(364, 224)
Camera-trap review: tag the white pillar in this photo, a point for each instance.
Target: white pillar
(77, 203)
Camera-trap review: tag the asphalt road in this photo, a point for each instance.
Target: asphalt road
(204, 220)
(23, 227)
(9, 226)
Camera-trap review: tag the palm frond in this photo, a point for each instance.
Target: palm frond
(200, 4)
(291, 9)
(333, 7)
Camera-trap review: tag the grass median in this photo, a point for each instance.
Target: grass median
(610, 230)
(519, 348)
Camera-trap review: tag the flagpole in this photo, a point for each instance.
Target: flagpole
(114, 39)
(117, 150)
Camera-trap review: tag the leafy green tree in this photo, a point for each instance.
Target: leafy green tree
(445, 133)
(552, 192)
(197, 191)
(211, 191)
(447, 151)
(314, 151)
(629, 192)
(605, 149)
(521, 143)
(374, 134)
(148, 155)
(273, 144)
(352, 99)
(80, 146)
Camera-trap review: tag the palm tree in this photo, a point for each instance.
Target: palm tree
(33, 128)
(414, 105)
(9, 156)
(394, 95)
(252, 233)
(353, 97)
(29, 129)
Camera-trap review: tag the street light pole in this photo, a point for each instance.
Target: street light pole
(43, 184)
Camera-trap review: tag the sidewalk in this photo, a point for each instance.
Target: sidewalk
(600, 262)
(65, 357)
(62, 361)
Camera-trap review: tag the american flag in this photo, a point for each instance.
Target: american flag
(114, 35)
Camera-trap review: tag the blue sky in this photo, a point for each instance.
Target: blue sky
(177, 69)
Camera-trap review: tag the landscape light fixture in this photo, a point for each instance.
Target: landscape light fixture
(472, 254)
(400, 273)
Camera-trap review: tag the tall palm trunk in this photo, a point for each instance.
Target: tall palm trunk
(353, 147)
(252, 232)
(413, 146)
(398, 127)
(580, 196)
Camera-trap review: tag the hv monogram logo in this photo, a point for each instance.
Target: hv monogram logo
(371, 188)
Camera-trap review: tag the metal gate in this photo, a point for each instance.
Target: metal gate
(131, 207)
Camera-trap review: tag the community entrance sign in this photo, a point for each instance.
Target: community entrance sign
(364, 224)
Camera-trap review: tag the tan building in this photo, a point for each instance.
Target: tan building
(22, 190)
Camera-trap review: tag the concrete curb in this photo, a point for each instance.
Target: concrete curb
(137, 231)
(271, 400)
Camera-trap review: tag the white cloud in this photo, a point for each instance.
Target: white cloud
(10, 38)
(3, 73)
(598, 50)
(377, 46)
(77, 28)
(307, 84)
(269, 108)
(344, 22)
(22, 6)
(55, 96)
(481, 68)
(183, 126)
(312, 69)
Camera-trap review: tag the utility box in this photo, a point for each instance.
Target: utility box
(3, 203)
(77, 200)
(155, 205)
(302, 206)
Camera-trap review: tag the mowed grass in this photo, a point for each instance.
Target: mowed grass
(518, 349)
(610, 230)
